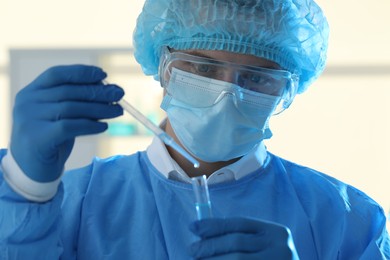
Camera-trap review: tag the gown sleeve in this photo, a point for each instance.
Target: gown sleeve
(364, 229)
(33, 230)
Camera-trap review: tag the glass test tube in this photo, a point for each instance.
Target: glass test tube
(202, 198)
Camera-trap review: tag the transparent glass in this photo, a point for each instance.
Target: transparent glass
(252, 81)
(200, 92)
(202, 197)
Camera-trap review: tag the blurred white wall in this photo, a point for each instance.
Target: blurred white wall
(340, 126)
(359, 31)
(60, 24)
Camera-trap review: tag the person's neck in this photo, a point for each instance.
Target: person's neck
(205, 168)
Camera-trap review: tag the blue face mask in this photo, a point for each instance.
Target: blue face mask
(227, 129)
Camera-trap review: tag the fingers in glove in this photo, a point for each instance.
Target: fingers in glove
(230, 243)
(77, 110)
(94, 93)
(73, 74)
(216, 226)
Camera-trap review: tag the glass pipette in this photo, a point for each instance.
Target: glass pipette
(168, 140)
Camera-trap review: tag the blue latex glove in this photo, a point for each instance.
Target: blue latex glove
(241, 238)
(62, 103)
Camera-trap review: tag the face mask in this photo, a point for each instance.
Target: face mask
(223, 131)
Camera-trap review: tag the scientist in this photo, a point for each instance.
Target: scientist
(226, 66)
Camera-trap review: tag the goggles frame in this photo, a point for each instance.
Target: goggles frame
(286, 92)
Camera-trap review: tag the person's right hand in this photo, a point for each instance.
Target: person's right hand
(62, 103)
(241, 238)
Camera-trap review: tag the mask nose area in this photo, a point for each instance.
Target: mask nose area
(226, 94)
(230, 76)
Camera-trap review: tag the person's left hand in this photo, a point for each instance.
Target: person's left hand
(241, 238)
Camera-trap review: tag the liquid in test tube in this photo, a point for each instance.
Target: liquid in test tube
(202, 198)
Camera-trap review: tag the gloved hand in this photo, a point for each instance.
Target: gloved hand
(62, 103)
(241, 238)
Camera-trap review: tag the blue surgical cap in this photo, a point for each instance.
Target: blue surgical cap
(292, 33)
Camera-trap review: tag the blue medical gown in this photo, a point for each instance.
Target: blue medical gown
(123, 208)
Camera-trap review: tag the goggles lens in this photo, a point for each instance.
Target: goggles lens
(251, 80)
(199, 91)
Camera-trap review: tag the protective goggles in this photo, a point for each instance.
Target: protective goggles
(252, 82)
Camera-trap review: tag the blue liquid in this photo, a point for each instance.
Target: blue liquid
(203, 210)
